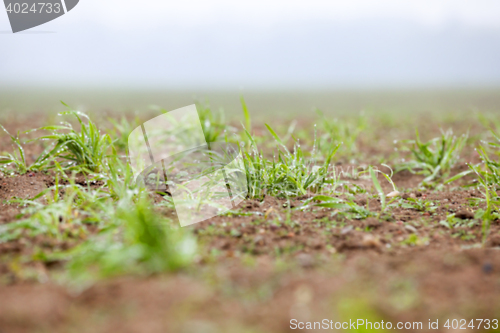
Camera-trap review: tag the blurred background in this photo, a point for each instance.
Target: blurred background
(285, 57)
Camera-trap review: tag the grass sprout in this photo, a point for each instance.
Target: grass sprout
(213, 124)
(58, 212)
(289, 174)
(121, 131)
(434, 158)
(85, 150)
(420, 205)
(488, 176)
(141, 241)
(383, 198)
(340, 132)
(348, 208)
(18, 158)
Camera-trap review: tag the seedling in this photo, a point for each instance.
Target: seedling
(464, 235)
(434, 158)
(142, 241)
(290, 174)
(84, 151)
(213, 124)
(489, 179)
(347, 208)
(121, 131)
(18, 158)
(414, 240)
(383, 199)
(343, 132)
(455, 222)
(420, 205)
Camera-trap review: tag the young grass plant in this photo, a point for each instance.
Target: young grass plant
(213, 124)
(18, 158)
(121, 131)
(290, 174)
(59, 216)
(83, 151)
(382, 196)
(60, 210)
(488, 177)
(348, 207)
(141, 241)
(420, 205)
(340, 132)
(434, 158)
(345, 207)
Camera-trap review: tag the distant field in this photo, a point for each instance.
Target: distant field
(265, 103)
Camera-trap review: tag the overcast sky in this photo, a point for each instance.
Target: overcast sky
(233, 44)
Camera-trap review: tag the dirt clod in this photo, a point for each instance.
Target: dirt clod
(464, 214)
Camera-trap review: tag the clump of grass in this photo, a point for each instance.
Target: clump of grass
(131, 236)
(345, 207)
(213, 124)
(452, 222)
(83, 151)
(289, 174)
(121, 130)
(18, 158)
(59, 211)
(488, 176)
(434, 158)
(420, 205)
(340, 132)
(349, 208)
(141, 241)
(382, 196)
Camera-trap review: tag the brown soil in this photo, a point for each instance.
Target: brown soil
(259, 268)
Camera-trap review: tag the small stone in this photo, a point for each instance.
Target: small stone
(464, 214)
(487, 268)
(411, 228)
(332, 250)
(361, 200)
(259, 240)
(371, 241)
(305, 260)
(393, 194)
(413, 196)
(346, 230)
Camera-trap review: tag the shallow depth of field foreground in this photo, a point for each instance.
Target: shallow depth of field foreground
(372, 216)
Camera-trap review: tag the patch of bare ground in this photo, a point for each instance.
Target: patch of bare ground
(414, 285)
